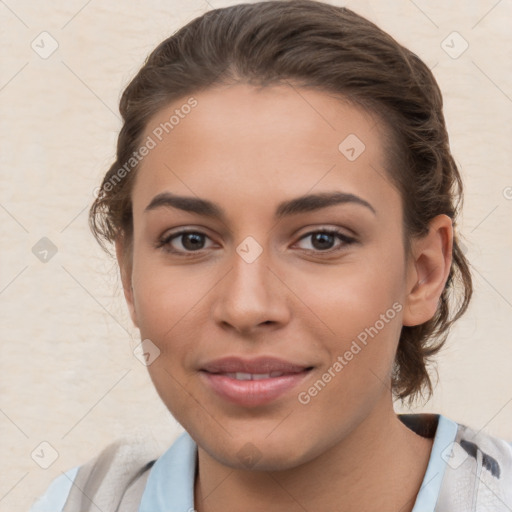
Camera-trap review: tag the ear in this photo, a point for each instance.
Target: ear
(124, 261)
(427, 271)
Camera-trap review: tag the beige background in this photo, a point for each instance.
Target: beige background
(67, 372)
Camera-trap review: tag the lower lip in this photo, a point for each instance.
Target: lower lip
(251, 393)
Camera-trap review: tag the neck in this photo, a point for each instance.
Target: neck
(380, 465)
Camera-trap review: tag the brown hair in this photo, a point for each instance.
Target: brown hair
(335, 50)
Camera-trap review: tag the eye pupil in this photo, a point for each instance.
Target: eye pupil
(192, 236)
(322, 238)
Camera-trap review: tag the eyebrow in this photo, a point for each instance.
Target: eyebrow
(302, 204)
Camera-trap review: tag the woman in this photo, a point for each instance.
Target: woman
(283, 208)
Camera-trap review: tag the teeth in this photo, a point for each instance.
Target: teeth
(258, 376)
(253, 376)
(243, 376)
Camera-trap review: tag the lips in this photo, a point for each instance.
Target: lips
(253, 382)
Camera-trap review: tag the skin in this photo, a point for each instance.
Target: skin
(247, 149)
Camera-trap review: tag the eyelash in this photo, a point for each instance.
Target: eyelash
(164, 243)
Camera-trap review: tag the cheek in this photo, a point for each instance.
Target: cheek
(164, 296)
(360, 306)
(351, 296)
(170, 315)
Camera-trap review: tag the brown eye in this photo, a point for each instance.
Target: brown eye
(190, 241)
(323, 240)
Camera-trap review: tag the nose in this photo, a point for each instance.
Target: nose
(251, 297)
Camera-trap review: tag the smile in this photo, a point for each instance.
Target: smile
(252, 389)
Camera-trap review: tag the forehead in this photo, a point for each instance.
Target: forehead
(265, 143)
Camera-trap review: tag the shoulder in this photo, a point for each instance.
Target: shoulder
(478, 474)
(107, 477)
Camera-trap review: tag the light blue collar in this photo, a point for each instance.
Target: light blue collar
(431, 485)
(170, 485)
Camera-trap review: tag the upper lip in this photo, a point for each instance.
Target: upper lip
(259, 365)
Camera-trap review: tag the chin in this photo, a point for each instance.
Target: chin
(255, 453)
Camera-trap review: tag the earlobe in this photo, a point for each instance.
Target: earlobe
(125, 270)
(428, 271)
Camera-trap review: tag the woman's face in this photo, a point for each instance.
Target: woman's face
(254, 170)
